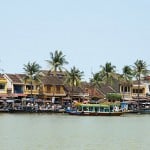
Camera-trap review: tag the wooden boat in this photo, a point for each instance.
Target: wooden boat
(4, 110)
(129, 107)
(95, 110)
(144, 111)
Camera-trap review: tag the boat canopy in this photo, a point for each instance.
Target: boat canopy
(94, 105)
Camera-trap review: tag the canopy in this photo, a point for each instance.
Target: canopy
(93, 105)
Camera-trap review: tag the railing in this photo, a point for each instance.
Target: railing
(140, 94)
(126, 94)
(33, 91)
(3, 91)
(53, 92)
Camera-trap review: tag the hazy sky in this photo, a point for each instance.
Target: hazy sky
(89, 32)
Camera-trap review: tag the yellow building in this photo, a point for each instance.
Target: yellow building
(34, 89)
(52, 86)
(141, 91)
(3, 87)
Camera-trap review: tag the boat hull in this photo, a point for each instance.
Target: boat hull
(144, 111)
(96, 113)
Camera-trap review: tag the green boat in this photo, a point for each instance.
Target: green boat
(96, 110)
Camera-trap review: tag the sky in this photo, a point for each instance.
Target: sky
(88, 32)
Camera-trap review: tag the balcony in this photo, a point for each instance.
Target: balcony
(126, 94)
(33, 92)
(53, 93)
(140, 94)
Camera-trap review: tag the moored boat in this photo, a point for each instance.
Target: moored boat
(95, 110)
(144, 108)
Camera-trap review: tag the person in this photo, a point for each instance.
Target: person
(116, 108)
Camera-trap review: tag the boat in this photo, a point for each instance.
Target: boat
(144, 108)
(129, 107)
(4, 110)
(95, 110)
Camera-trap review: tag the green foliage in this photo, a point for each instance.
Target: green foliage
(96, 80)
(57, 61)
(73, 77)
(113, 96)
(108, 72)
(139, 69)
(32, 71)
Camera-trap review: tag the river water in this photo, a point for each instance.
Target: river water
(65, 132)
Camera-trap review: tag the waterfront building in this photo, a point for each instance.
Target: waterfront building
(126, 90)
(52, 87)
(15, 85)
(146, 81)
(3, 87)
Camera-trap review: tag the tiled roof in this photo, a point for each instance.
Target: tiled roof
(1, 76)
(147, 78)
(75, 89)
(15, 78)
(136, 82)
(21, 76)
(106, 89)
(47, 72)
(51, 80)
(103, 90)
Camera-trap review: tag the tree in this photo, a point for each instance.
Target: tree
(139, 70)
(57, 61)
(113, 97)
(126, 76)
(108, 72)
(73, 78)
(96, 80)
(32, 74)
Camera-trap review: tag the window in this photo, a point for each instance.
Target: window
(136, 90)
(18, 89)
(58, 89)
(126, 89)
(49, 88)
(37, 87)
(2, 86)
(29, 87)
(122, 90)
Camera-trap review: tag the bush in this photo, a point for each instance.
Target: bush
(113, 96)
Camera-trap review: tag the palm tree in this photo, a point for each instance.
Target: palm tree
(57, 61)
(32, 73)
(126, 76)
(108, 72)
(73, 78)
(96, 80)
(139, 70)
